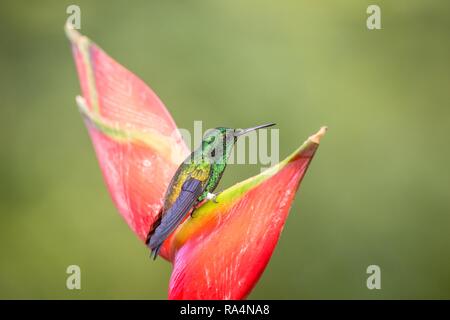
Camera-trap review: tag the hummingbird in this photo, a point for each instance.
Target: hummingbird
(195, 181)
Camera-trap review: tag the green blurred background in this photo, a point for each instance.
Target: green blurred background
(377, 192)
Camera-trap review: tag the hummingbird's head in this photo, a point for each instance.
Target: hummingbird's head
(218, 143)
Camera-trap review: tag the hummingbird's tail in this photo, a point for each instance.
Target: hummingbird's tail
(155, 252)
(190, 191)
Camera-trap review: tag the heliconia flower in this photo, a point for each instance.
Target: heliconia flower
(221, 251)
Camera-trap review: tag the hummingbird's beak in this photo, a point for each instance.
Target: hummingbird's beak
(241, 132)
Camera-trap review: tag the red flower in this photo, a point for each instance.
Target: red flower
(222, 250)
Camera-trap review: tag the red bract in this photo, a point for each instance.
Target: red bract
(222, 250)
(136, 140)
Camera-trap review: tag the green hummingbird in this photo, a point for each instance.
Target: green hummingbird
(194, 181)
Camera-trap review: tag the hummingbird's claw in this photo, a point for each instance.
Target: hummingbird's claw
(212, 196)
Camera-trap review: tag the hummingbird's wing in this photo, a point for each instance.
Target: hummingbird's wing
(190, 191)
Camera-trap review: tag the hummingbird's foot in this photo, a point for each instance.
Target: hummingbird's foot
(212, 196)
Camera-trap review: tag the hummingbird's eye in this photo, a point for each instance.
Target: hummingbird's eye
(213, 153)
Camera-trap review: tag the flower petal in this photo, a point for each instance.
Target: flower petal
(136, 140)
(222, 251)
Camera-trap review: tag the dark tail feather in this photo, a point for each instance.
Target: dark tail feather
(155, 252)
